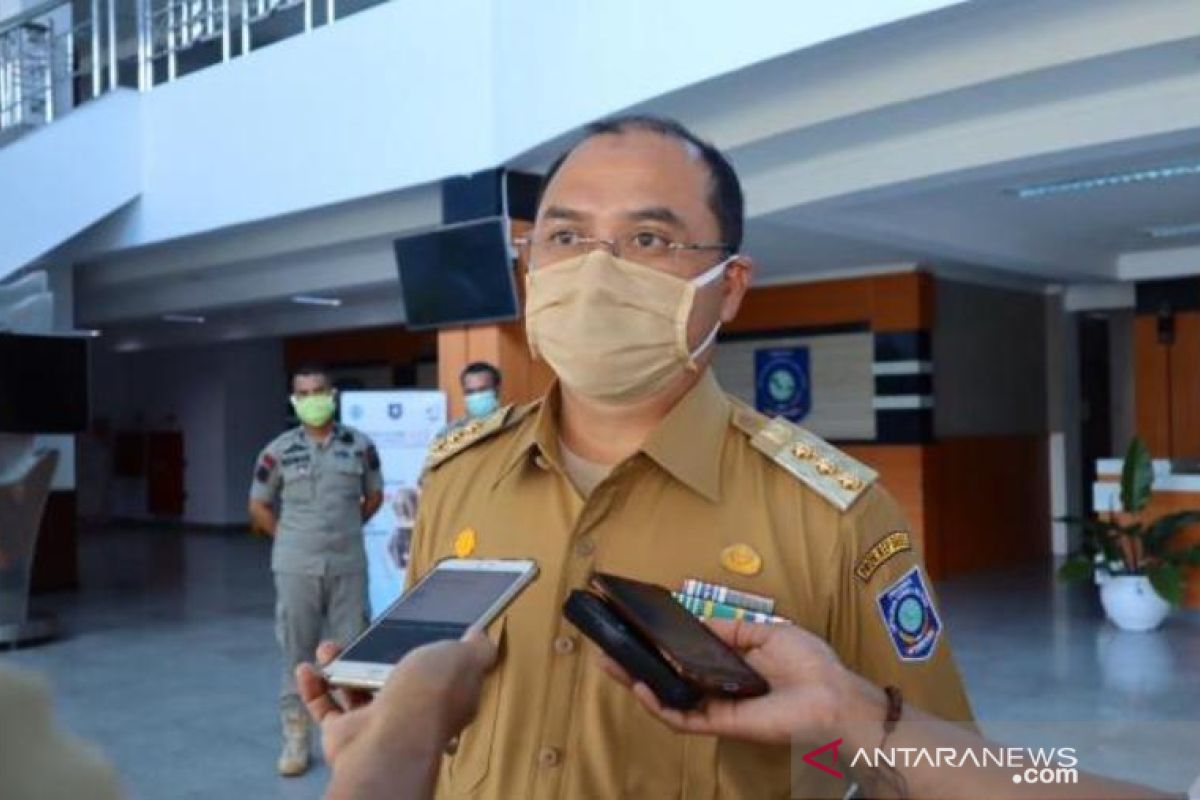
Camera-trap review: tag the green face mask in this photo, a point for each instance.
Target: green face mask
(314, 410)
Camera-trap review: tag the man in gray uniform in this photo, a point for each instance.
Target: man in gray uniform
(326, 479)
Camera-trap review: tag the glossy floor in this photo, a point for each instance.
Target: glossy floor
(169, 664)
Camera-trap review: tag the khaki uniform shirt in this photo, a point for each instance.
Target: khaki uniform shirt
(551, 723)
(320, 488)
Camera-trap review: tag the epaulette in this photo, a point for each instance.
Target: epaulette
(826, 470)
(456, 440)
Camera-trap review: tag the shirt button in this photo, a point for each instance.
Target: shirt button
(549, 757)
(586, 546)
(541, 461)
(564, 645)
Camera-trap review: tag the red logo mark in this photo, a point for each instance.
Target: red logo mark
(811, 758)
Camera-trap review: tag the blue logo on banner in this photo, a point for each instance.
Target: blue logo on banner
(910, 617)
(395, 410)
(782, 387)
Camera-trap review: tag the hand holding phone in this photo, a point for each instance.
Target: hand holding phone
(659, 642)
(455, 596)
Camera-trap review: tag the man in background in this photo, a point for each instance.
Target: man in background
(480, 383)
(325, 478)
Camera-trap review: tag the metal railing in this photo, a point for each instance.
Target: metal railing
(62, 53)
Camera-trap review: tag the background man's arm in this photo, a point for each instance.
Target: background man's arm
(372, 482)
(264, 490)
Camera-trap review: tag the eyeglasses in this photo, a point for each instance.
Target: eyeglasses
(648, 248)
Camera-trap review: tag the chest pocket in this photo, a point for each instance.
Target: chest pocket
(297, 482)
(346, 476)
(467, 768)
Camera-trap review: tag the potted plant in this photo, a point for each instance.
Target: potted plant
(1135, 561)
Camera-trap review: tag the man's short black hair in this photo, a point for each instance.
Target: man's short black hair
(312, 371)
(724, 189)
(480, 367)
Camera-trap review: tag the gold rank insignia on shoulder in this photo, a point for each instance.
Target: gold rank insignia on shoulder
(458, 439)
(895, 542)
(826, 470)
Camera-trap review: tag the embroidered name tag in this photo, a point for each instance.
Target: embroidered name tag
(895, 542)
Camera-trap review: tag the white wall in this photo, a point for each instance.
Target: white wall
(408, 93)
(46, 198)
(227, 399)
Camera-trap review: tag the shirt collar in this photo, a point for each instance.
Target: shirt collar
(687, 443)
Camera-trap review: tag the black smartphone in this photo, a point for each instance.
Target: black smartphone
(624, 645)
(693, 651)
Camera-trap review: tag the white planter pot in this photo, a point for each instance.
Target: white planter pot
(1132, 604)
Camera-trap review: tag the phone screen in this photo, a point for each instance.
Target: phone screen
(675, 630)
(441, 606)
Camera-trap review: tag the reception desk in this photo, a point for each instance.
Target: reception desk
(1173, 491)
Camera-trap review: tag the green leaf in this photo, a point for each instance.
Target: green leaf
(1163, 529)
(1137, 476)
(1076, 570)
(1188, 557)
(1167, 580)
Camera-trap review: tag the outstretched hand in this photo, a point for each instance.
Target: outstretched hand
(807, 683)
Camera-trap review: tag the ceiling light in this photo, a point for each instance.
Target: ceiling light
(190, 319)
(1171, 231)
(316, 300)
(1106, 181)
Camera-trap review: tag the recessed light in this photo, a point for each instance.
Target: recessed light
(189, 319)
(1108, 181)
(316, 300)
(1171, 231)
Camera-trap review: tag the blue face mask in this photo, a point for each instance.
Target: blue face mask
(482, 403)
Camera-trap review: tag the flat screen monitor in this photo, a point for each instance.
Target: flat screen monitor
(458, 275)
(43, 384)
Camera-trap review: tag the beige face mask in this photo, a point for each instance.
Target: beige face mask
(612, 329)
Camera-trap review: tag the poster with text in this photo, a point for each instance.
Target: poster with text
(402, 423)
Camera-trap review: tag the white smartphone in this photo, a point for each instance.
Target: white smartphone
(458, 594)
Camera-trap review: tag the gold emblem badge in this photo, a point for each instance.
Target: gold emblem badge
(464, 543)
(741, 559)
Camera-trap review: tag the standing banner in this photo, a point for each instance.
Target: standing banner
(402, 423)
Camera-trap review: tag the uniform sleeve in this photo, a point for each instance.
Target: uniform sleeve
(372, 469)
(884, 620)
(267, 477)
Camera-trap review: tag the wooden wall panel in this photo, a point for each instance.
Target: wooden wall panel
(993, 501)
(1185, 386)
(1150, 386)
(771, 308)
(905, 471)
(902, 301)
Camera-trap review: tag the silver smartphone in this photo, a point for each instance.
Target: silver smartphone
(458, 594)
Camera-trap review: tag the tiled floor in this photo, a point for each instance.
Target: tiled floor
(170, 664)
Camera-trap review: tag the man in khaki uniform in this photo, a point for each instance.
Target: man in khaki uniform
(637, 463)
